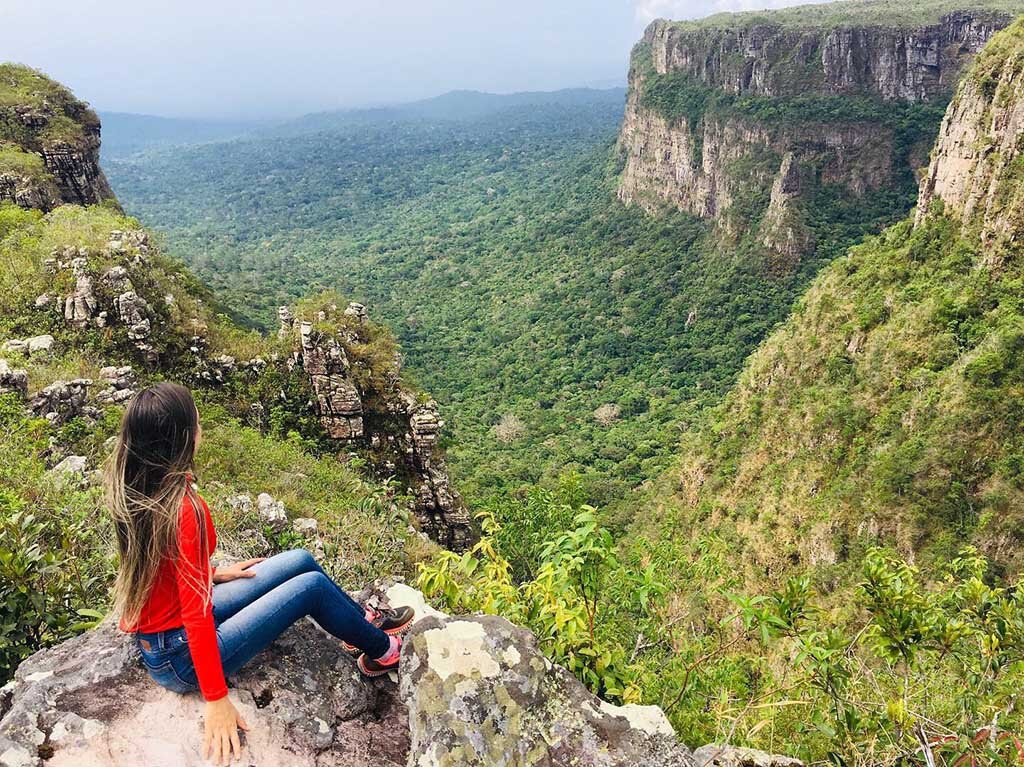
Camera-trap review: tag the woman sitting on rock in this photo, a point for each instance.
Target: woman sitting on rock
(194, 623)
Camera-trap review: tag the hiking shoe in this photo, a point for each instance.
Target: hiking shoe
(388, 662)
(392, 621)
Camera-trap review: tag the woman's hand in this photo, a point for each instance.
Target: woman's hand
(221, 722)
(236, 571)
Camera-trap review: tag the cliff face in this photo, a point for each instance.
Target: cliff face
(885, 410)
(916, 64)
(42, 121)
(978, 163)
(722, 121)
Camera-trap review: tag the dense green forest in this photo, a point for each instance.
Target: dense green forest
(559, 330)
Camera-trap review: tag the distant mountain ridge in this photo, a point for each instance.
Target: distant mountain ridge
(457, 105)
(126, 133)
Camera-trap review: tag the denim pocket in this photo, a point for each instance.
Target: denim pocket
(171, 666)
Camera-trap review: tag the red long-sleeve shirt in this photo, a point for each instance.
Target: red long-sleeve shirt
(180, 597)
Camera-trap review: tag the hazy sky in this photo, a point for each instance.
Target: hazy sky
(271, 58)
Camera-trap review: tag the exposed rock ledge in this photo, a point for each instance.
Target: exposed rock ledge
(474, 691)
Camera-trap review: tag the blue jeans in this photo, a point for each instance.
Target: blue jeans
(250, 613)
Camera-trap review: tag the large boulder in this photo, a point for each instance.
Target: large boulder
(88, 702)
(480, 692)
(474, 691)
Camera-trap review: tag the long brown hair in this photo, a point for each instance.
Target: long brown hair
(147, 479)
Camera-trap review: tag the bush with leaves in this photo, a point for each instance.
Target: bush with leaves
(931, 674)
(568, 599)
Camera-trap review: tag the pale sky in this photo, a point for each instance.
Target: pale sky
(274, 58)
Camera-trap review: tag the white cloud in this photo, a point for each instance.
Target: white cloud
(647, 11)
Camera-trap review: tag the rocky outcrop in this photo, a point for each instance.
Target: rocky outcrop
(62, 400)
(783, 229)
(975, 166)
(473, 691)
(28, 190)
(481, 694)
(51, 124)
(400, 431)
(89, 703)
(753, 169)
(105, 298)
(338, 403)
(12, 380)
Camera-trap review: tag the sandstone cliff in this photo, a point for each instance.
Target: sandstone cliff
(49, 143)
(748, 121)
(978, 164)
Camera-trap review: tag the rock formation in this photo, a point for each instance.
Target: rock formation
(54, 126)
(338, 404)
(980, 144)
(479, 692)
(766, 59)
(473, 691)
(710, 157)
(404, 433)
(13, 381)
(62, 400)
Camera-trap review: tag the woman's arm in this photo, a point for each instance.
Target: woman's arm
(221, 720)
(193, 578)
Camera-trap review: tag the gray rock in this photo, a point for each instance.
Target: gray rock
(40, 344)
(306, 526)
(305, 701)
(272, 512)
(73, 464)
(62, 400)
(80, 306)
(287, 320)
(479, 692)
(358, 311)
(473, 691)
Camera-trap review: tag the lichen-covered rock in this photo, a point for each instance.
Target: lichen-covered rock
(714, 755)
(472, 691)
(88, 703)
(480, 692)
